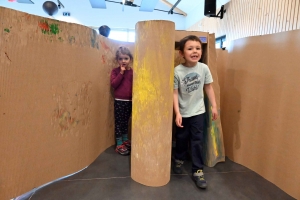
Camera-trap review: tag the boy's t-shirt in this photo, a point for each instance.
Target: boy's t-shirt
(190, 82)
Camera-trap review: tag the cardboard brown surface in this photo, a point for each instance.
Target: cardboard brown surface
(222, 59)
(56, 107)
(152, 103)
(181, 34)
(213, 135)
(261, 109)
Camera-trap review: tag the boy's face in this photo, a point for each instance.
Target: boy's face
(192, 52)
(123, 60)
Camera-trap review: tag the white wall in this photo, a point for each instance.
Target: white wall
(197, 13)
(244, 18)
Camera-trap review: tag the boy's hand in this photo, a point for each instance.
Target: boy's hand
(214, 113)
(178, 120)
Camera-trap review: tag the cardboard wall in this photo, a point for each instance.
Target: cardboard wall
(56, 107)
(56, 104)
(213, 135)
(261, 111)
(181, 34)
(222, 60)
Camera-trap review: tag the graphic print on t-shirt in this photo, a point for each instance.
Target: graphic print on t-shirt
(190, 82)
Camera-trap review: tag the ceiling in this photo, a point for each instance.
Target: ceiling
(114, 15)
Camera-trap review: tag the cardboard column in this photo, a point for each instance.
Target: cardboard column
(152, 102)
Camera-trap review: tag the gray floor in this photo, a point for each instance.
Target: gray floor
(109, 178)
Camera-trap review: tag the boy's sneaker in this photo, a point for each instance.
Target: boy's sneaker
(177, 167)
(199, 179)
(127, 143)
(122, 150)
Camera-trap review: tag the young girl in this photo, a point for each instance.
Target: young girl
(121, 81)
(190, 78)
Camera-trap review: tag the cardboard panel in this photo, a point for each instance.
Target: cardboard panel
(56, 107)
(181, 34)
(261, 109)
(222, 59)
(56, 102)
(213, 135)
(152, 103)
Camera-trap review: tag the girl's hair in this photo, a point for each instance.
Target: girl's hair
(125, 51)
(188, 38)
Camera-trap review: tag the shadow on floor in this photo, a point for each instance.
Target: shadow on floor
(108, 177)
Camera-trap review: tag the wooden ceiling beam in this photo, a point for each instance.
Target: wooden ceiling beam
(175, 9)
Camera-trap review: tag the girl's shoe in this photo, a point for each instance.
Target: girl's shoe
(127, 143)
(122, 150)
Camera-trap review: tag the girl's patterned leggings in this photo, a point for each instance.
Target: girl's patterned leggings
(122, 115)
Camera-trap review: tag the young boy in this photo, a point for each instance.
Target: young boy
(190, 78)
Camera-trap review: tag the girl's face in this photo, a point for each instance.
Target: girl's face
(123, 60)
(192, 52)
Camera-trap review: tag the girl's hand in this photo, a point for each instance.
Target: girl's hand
(122, 69)
(214, 113)
(178, 120)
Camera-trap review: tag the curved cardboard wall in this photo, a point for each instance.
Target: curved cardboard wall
(56, 104)
(55, 99)
(260, 103)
